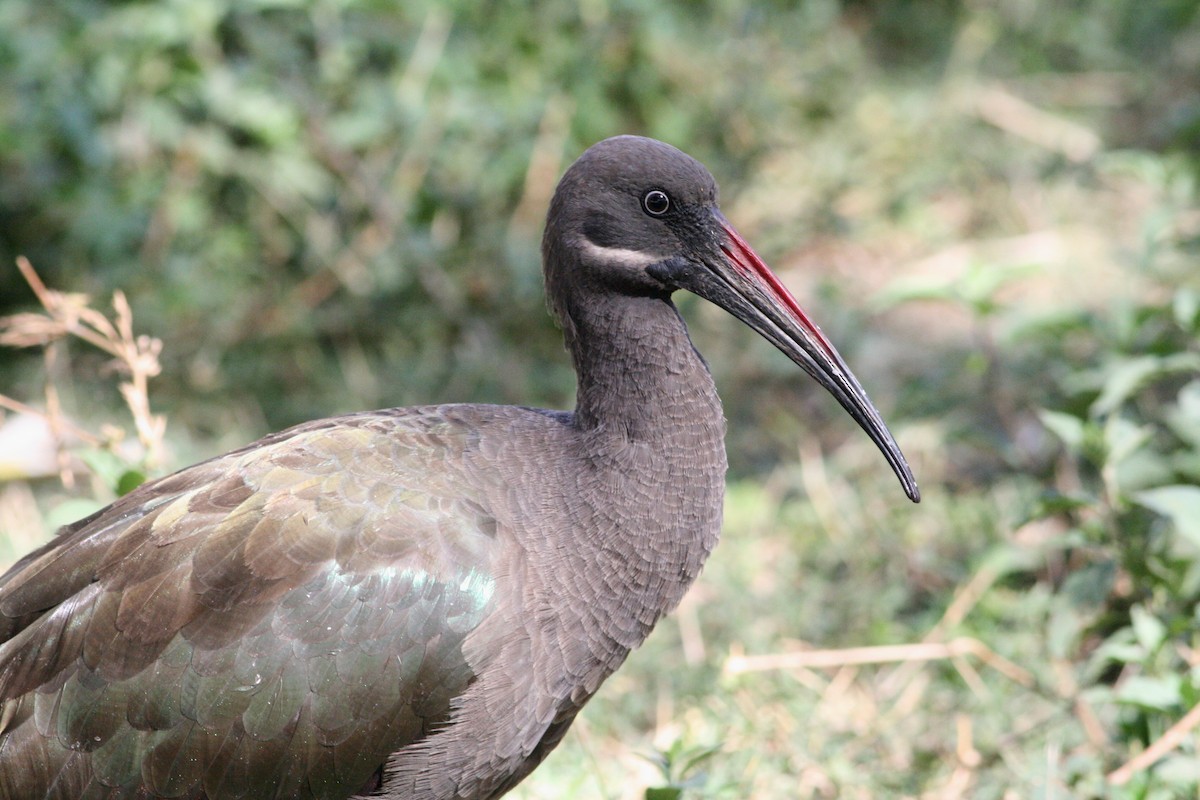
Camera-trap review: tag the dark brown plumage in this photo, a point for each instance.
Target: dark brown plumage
(412, 603)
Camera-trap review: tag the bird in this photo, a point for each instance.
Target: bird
(411, 603)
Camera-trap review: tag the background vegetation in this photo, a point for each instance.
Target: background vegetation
(992, 208)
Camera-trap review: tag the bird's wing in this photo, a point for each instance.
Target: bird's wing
(271, 623)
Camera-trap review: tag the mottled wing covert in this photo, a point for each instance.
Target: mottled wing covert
(271, 623)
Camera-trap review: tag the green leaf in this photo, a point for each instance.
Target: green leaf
(130, 479)
(1051, 503)
(1122, 653)
(1160, 693)
(1124, 379)
(664, 793)
(1088, 587)
(69, 511)
(1186, 308)
(1150, 631)
(1123, 438)
(1128, 376)
(976, 288)
(1064, 627)
(907, 290)
(1184, 416)
(981, 283)
(1068, 428)
(106, 465)
(1180, 504)
(697, 756)
(1119, 648)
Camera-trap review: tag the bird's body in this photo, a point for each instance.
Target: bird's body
(410, 603)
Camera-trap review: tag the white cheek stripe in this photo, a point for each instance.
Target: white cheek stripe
(619, 255)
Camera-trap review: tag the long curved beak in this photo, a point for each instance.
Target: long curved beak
(739, 281)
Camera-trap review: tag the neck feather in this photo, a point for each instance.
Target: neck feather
(650, 446)
(639, 375)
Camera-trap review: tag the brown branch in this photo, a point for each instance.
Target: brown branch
(1157, 749)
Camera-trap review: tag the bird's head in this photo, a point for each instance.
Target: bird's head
(634, 216)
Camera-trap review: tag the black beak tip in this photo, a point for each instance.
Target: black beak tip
(904, 472)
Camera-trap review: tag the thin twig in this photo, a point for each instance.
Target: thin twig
(965, 599)
(70, 315)
(967, 758)
(20, 408)
(882, 654)
(1157, 749)
(34, 281)
(54, 417)
(690, 632)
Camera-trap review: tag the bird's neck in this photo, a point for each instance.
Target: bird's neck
(639, 377)
(650, 454)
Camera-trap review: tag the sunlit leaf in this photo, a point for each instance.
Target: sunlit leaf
(1186, 308)
(1122, 438)
(1130, 375)
(664, 793)
(1160, 693)
(1148, 628)
(1119, 648)
(1068, 428)
(1181, 504)
(106, 465)
(1184, 417)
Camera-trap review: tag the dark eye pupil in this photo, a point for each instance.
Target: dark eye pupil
(656, 202)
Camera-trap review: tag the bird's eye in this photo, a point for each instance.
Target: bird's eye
(656, 203)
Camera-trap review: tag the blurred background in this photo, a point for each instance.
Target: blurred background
(991, 207)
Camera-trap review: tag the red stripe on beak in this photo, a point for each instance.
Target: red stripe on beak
(742, 255)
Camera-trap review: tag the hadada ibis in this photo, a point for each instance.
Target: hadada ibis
(411, 603)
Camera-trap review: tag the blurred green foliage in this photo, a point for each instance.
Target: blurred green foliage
(991, 207)
(323, 206)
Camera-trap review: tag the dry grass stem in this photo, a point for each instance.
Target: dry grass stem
(55, 417)
(18, 407)
(1164, 744)
(965, 599)
(1092, 727)
(545, 165)
(971, 677)
(820, 491)
(21, 521)
(69, 315)
(911, 698)
(1011, 114)
(882, 654)
(691, 633)
(967, 759)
